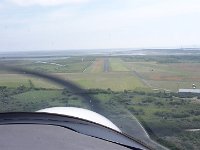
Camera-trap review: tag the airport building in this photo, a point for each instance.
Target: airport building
(195, 91)
(189, 92)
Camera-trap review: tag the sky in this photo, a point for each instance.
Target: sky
(27, 25)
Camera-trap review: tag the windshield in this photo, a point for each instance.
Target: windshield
(136, 62)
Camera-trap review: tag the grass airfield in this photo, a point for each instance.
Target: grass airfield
(86, 73)
(121, 74)
(131, 82)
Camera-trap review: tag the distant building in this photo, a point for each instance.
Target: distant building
(187, 91)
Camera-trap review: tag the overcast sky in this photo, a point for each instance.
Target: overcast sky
(87, 24)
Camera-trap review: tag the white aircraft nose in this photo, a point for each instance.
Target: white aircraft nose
(82, 114)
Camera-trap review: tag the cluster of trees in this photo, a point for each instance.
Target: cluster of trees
(119, 103)
(163, 59)
(188, 95)
(100, 91)
(172, 114)
(136, 111)
(195, 112)
(3, 91)
(6, 92)
(90, 91)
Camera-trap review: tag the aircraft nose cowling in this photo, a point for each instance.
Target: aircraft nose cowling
(82, 114)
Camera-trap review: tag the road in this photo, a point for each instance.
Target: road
(135, 73)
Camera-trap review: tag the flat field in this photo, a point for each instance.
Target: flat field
(16, 80)
(117, 64)
(87, 72)
(52, 65)
(168, 76)
(165, 116)
(114, 81)
(121, 73)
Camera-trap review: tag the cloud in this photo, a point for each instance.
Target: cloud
(167, 9)
(99, 24)
(161, 9)
(46, 2)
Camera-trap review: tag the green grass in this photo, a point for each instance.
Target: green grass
(156, 125)
(15, 80)
(35, 96)
(39, 99)
(93, 77)
(73, 67)
(73, 64)
(115, 81)
(32, 101)
(88, 72)
(116, 64)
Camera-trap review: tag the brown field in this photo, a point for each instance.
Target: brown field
(171, 76)
(97, 66)
(166, 78)
(190, 67)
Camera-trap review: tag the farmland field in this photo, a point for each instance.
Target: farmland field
(170, 76)
(124, 88)
(121, 73)
(87, 72)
